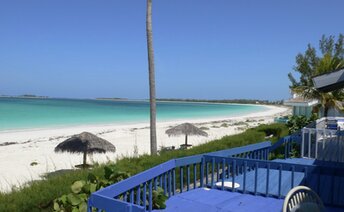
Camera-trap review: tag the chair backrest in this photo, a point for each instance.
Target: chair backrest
(302, 198)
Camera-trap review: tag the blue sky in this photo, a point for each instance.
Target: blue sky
(207, 49)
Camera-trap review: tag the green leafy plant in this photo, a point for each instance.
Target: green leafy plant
(296, 123)
(159, 198)
(76, 201)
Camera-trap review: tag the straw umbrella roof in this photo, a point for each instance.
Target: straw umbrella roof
(85, 142)
(185, 129)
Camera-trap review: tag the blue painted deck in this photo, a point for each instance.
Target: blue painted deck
(311, 161)
(249, 164)
(301, 161)
(328, 187)
(213, 200)
(273, 181)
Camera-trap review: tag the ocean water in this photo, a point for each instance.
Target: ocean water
(20, 113)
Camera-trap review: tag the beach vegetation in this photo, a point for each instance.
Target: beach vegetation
(80, 190)
(295, 123)
(310, 64)
(224, 125)
(34, 163)
(40, 195)
(274, 130)
(241, 128)
(240, 123)
(204, 128)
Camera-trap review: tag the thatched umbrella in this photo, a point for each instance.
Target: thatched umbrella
(85, 143)
(185, 129)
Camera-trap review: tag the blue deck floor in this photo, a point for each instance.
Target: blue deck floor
(213, 200)
(302, 161)
(273, 181)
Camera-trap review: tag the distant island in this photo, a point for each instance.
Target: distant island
(238, 101)
(111, 99)
(28, 96)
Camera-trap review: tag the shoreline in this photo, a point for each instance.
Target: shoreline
(26, 147)
(128, 124)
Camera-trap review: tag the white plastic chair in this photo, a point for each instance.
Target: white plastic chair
(302, 199)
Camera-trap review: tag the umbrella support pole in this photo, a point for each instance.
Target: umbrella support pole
(84, 161)
(186, 140)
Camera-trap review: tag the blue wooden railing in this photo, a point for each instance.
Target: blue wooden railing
(275, 179)
(288, 142)
(248, 166)
(136, 193)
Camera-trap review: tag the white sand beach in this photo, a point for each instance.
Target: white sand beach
(27, 154)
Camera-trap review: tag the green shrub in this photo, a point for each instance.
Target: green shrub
(273, 129)
(296, 123)
(204, 128)
(224, 125)
(76, 201)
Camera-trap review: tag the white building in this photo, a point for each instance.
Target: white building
(301, 106)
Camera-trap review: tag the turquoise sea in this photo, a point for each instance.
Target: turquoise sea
(20, 113)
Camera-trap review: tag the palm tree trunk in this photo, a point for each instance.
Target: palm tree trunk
(153, 142)
(186, 140)
(326, 108)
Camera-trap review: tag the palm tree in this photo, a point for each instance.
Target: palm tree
(153, 142)
(310, 65)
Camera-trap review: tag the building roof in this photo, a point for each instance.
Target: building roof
(300, 101)
(329, 81)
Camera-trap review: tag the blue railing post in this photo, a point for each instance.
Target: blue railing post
(155, 183)
(160, 181)
(132, 196)
(245, 169)
(217, 172)
(255, 178)
(169, 183)
(138, 195)
(212, 172)
(174, 181)
(165, 183)
(285, 149)
(280, 181)
(125, 197)
(223, 174)
(150, 197)
(267, 179)
(228, 169)
(303, 142)
(292, 176)
(181, 179)
(233, 175)
(202, 173)
(187, 177)
(144, 198)
(194, 175)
